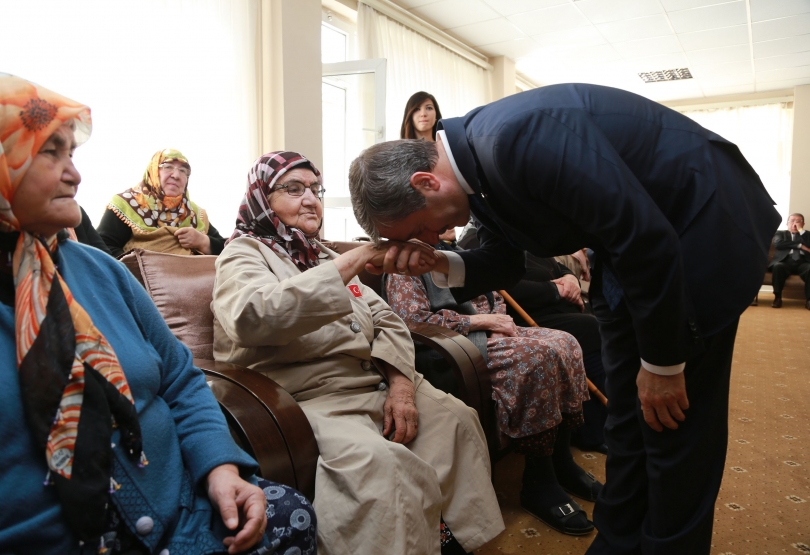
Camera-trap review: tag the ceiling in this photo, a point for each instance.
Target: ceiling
(729, 46)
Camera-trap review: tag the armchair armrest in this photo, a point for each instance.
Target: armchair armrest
(267, 423)
(469, 369)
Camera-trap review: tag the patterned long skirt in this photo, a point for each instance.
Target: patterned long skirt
(537, 377)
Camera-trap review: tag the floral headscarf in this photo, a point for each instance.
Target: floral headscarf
(258, 221)
(66, 366)
(146, 208)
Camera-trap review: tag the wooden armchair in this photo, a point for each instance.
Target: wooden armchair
(469, 368)
(263, 418)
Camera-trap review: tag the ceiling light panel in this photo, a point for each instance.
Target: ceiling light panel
(665, 75)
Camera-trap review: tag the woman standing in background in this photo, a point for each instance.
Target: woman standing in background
(422, 113)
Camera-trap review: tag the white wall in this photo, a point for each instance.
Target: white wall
(800, 168)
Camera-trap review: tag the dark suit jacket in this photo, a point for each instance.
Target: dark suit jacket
(672, 209)
(783, 243)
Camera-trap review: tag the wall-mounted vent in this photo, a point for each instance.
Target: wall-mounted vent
(665, 75)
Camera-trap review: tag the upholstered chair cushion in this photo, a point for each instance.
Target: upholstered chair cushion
(181, 288)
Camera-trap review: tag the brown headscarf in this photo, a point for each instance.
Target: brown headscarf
(257, 220)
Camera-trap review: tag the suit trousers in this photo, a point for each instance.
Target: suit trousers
(781, 271)
(660, 487)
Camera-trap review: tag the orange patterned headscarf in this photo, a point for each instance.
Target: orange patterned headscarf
(65, 363)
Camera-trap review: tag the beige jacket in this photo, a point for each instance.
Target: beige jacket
(311, 334)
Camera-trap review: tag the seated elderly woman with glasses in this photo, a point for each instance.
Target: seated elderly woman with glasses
(403, 467)
(158, 215)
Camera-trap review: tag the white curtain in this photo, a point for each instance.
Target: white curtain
(156, 74)
(416, 63)
(764, 135)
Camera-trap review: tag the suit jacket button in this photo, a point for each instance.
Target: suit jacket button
(366, 365)
(355, 327)
(144, 525)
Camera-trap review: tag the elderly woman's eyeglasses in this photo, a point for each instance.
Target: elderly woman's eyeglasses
(171, 168)
(296, 189)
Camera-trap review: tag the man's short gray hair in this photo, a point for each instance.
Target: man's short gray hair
(380, 182)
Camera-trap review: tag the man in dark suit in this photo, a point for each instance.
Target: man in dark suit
(791, 256)
(670, 210)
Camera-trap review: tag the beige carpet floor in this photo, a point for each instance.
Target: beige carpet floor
(764, 501)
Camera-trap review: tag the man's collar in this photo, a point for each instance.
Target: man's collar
(442, 137)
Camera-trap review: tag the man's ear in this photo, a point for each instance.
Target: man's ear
(425, 182)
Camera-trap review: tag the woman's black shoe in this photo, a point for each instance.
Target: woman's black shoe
(585, 486)
(568, 518)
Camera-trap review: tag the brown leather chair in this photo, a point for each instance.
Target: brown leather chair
(468, 366)
(264, 419)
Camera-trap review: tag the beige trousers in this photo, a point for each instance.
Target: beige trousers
(373, 496)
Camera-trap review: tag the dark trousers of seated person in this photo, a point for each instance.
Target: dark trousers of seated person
(660, 487)
(782, 270)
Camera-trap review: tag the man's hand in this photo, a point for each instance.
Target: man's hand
(401, 415)
(569, 289)
(663, 399)
(500, 325)
(238, 502)
(190, 238)
(408, 258)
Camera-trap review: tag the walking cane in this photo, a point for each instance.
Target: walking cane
(525, 315)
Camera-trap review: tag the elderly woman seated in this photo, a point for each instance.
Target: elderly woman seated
(158, 215)
(94, 381)
(398, 459)
(538, 384)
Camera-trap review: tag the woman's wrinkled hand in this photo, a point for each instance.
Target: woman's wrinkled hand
(499, 325)
(190, 238)
(241, 505)
(401, 416)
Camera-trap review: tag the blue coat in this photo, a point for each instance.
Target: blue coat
(673, 210)
(184, 433)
